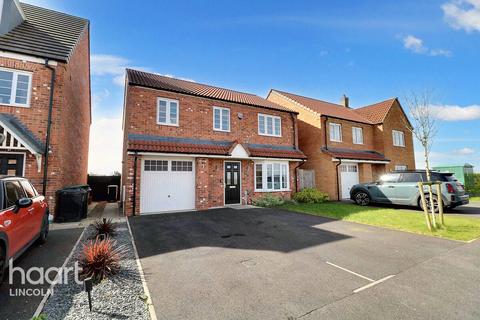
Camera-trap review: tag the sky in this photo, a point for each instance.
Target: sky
(368, 50)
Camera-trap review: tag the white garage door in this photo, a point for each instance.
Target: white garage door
(348, 178)
(167, 184)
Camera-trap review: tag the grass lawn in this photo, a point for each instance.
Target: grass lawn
(458, 228)
(477, 199)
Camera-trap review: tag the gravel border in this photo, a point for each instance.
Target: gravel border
(120, 297)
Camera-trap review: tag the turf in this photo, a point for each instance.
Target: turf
(457, 228)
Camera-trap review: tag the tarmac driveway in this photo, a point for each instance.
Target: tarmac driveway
(275, 264)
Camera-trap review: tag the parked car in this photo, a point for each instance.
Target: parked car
(23, 218)
(401, 187)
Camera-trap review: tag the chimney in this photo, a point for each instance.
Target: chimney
(344, 101)
(11, 15)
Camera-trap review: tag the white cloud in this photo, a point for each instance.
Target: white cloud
(465, 151)
(106, 138)
(463, 14)
(456, 113)
(414, 44)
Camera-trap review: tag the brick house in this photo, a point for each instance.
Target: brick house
(44, 74)
(346, 146)
(194, 146)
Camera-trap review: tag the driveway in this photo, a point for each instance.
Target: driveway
(13, 304)
(275, 264)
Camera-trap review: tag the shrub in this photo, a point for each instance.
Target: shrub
(100, 259)
(310, 195)
(105, 227)
(268, 200)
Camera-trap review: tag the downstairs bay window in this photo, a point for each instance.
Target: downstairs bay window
(272, 176)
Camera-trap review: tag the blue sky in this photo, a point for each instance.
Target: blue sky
(369, 50)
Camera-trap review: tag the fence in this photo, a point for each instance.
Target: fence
(306, 179)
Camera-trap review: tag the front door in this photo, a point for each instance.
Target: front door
(11, 164)
(232, 182)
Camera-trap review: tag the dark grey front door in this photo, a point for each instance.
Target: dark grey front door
(11, 164)
(232, 182)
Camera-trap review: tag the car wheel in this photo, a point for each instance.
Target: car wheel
(44, 231)
(362, 198)
(427, 200)
(3, 263)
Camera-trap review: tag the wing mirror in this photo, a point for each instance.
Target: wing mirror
(22, 203)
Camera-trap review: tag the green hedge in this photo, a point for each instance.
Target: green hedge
(472, 184)
(268, 200)
(310, 195)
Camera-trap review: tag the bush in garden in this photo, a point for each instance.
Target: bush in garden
(100, 259)
(310, 195)
(268, 200)
(105, 227)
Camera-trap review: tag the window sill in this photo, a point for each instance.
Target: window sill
(14, 105)
(281, 190)
(219, 130)
(336, 140)
(167, 124)
(399, 146)
(269, 135)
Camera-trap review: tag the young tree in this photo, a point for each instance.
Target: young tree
(424, 129)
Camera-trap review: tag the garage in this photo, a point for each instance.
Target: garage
(167, 184)
(349, 178)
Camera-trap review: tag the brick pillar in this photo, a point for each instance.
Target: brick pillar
(202, 175)
(365, 172)
(129, 179)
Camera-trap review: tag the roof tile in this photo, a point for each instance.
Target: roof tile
(156, 81)
(351, 154)
(377, 112)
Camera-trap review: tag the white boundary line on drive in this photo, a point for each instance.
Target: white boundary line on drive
(373, 283)
(349, 271)
(50, 290)
(151, 307)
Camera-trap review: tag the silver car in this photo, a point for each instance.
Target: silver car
(401, 187)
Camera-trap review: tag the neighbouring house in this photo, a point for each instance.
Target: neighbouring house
(194, 146)
(346, 146)
(45, 111)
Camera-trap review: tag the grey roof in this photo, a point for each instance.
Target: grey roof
(146, 137)
(20, 130)
(45, 33)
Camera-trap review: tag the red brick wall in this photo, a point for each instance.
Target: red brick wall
(209, 188)
(70, 118)
(196, 118)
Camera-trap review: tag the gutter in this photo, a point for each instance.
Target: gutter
(134, 199)
(325, 132)
(49, 127)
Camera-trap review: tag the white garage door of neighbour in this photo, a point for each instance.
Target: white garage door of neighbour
(348, 178)
(167, 185)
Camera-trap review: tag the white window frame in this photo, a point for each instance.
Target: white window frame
(221, 129)
(265, 128)
(331, 132)
(398, 138)
(167, 116)
(13, 93)
(357, 135)
(265, 164)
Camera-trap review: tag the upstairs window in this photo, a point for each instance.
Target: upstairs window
(15, 87)
(398, 138)
(221, 119)
(269, 125)
(357, 134)
(167, 112)
(335, 132)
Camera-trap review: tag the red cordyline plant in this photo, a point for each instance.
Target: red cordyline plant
(105, 227)
(100, 259)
